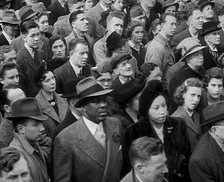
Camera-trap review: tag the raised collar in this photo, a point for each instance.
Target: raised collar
(162, 39)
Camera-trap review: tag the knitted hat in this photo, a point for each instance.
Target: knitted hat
(152, 90)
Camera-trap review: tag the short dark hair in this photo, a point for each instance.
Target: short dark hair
(214, 72)
(131, 27)
(27, 25)
(147, 68)
(73, 44)
(142, 149)
(54, 38)
(117, 14)
(162, 18)
(8, 157)
(5, 67)
(73, 15)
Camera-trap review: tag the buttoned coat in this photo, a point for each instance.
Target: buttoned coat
(54, 118)
(78, 157)
(27, 66)
(193, 127)
(66, 73)
(207, 161)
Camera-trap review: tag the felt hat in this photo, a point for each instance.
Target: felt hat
(209, 27)
(118, 59)
(27, 107)
(114, 40)
(152, 90)
(136, 11)
(88, 87)
(169, 3)
(26, 12)
(213, 113)
(70, 87)
(39, 8)
(9, 17)
(4, 3)
(203, 3)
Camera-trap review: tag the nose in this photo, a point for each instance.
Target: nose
(16, 80)
(41, 128)
(85, 55)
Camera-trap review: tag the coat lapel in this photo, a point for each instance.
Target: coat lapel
(28, 58)
(62, 107)
(88, 144)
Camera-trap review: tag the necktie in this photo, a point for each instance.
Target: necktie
(100, 136)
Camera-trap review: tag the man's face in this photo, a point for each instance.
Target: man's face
(155, 168)
(81, 23)
(169, 26)
(10, 77)
(19, 173)
(149, 3)
(221, 20)
(208, 12)
(124, 69)
(11, 30)
(219, 131)
(58, 49)
(196, 20)
(10, 56)
(43, 23)
(214, 88)
(33, 130)
(213, 38)
(32, 38)
(96, 109)
(105, 80)
(116, 24)
(79, 55)
(171, 9)
(196, 59)
(77, 6)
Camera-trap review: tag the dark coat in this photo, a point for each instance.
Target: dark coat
(207, 161)
(180, 36)
(221, 33)
(56, 11)
(27, 67)
(176, 144)
(66, 73)
(81, 158)
(3, 40)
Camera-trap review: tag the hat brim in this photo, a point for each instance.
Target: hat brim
(192, 52)
(12, 23)
(213, 120)
(69, 95)
(203, 5)
(30, 16)
(209, 31)
(168, 5)
(39, 118)
(100, 93)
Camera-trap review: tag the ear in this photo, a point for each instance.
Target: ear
(116, 71)
(20, 128)
(7, 108)
(1, 81)
(140, 168)
(24, 37)
(73, 25)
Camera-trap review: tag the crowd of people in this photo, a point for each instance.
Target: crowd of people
(111, 90)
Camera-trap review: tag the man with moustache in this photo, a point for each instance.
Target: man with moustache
(90, 149)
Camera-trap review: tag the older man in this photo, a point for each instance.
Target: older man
(90, 149)
(207, 161)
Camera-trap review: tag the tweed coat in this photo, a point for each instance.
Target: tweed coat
(54, 118)
(176, 144)
(80, 158)
(207, 161)
(27, 67)
(193, 127)
(65, 73)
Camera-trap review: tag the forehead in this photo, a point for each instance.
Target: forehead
(81, 48)
(213, 33)
(11, 72)
(216, 81)
(157, 160)
(122, 63)
(33, 31)
(116, 20)
(104, 76)
(58, 42)
(81, 16)
(158, 100)
(170, 19)
(196, 13)
(191, 90)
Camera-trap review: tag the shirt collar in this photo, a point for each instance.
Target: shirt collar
(8, 38)
(132, 45)
(212, 48)
(162, 39)
(92, 126)
(76, 69)
(75, 115)
(103, 7)
(30, 50)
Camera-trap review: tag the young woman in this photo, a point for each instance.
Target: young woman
(187, 97)
(42, 21)
(157, 124)
(51, 103)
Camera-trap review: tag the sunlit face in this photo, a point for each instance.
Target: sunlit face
(49, 83)
(79, 55)
(155, 75)
(208, 11)
(116, 24)
(43, 23)
(137, 34)
(32, 38)
(105, 80)
(118, 5)
(213, 38)
(169, 26)
(10, 77)
(155, 168)
(58, 49)
(196, 20)
(124, 68)
(81, 23)
(214, 88)
(158, 111)
(19, 173)
(192, 98)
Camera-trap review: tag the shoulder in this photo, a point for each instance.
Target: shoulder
(128, 177)
(61, 68)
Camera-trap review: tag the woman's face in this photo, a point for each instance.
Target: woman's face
(43, 23)
(88, 4)
(158, 110)
(155, 75)
(192, 97)
(134, 103)
(49, 83)
(118, 5)
(137, 34)
(58, 49)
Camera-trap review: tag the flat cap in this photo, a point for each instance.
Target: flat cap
(119, 58)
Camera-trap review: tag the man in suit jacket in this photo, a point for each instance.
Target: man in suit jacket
(207, 161)
(57, 8)
(75, 67)
(90, 149)
(29, 58)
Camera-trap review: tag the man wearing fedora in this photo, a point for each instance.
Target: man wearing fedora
(207, 161)
(214, 52)
(27, 118)
(90, 149)
(10, 27)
